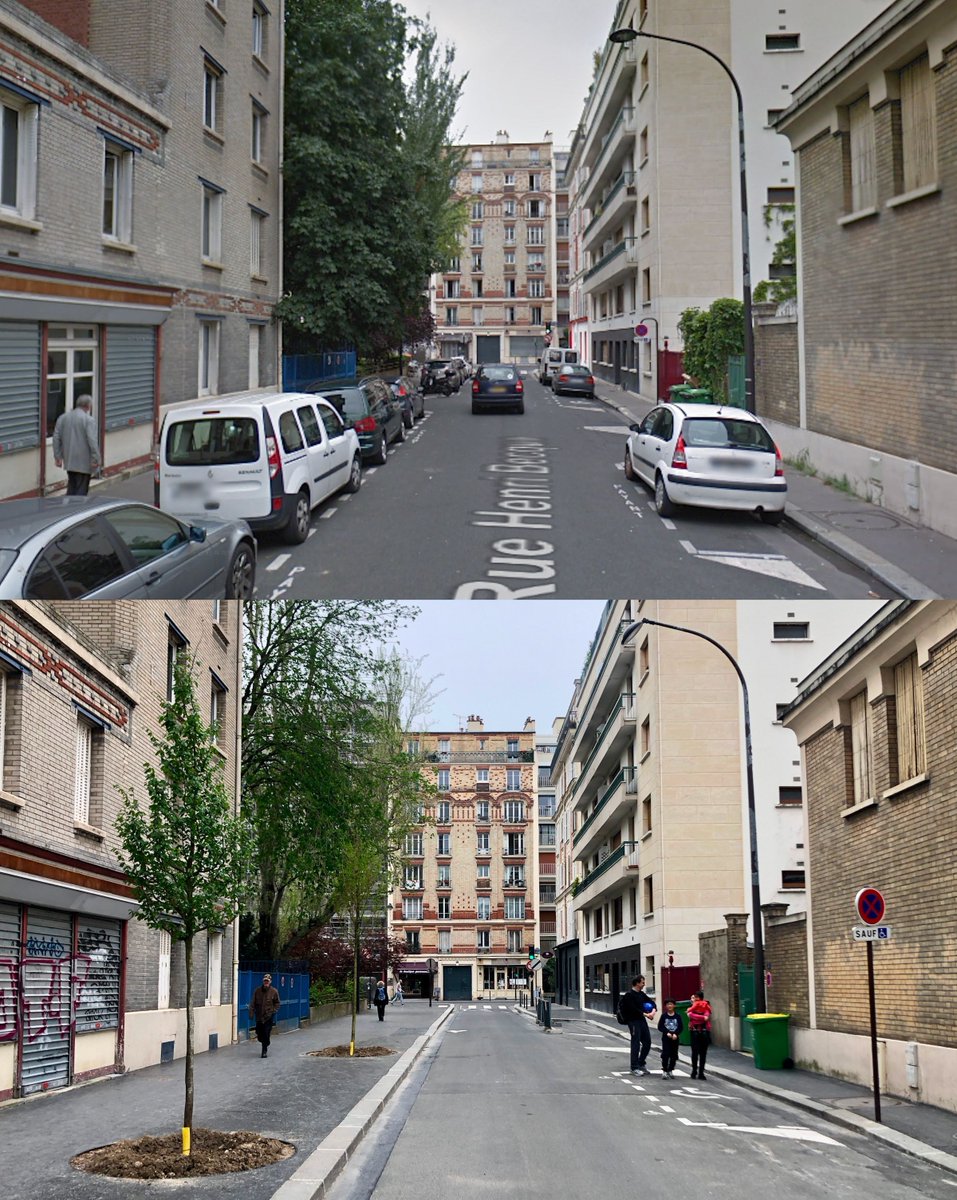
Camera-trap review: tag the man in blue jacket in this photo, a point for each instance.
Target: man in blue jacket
(637, 1007)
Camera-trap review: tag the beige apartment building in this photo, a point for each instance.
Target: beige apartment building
(546, 841)
(85, 988)
(496, 300)
(469, 888)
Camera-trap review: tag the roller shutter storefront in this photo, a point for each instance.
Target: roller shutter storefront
(130, 375)
(19, 385)
(45, 1001)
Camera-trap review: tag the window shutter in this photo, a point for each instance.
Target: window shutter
(863, 152)
(910, 719)
(81, 790)
(860, 748)
(97, 974)
(162, 998)
(918, 124)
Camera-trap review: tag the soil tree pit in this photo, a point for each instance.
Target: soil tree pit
(212, 1153)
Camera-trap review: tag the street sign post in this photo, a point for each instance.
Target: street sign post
(870, 907)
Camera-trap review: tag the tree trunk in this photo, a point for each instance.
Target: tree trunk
(188, 1107)
(356, 950)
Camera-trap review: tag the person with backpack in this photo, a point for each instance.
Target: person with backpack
(380, 999)
(636, 1009)
(699, 1027)
(670, 1027)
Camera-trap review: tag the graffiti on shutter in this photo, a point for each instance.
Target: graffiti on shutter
(9, 970)
(96, 975)
(46, 1001)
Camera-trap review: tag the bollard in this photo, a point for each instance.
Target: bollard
(548, 1015)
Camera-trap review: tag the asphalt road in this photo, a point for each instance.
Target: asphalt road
(502, 506)
(499, 1108)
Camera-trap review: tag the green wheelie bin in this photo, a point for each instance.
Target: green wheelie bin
(682, 1006)
(771, 1042)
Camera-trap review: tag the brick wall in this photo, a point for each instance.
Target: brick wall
(785, 959)
(879, 300)
(720, 951)
(776, 366)
(72, 16)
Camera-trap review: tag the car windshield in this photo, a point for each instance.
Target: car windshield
(726, 433)
(498, 373)
(211, 440)
(574, 369)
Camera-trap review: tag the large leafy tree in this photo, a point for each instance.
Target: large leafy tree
(368, 203)
(710, 338)
(186, 855)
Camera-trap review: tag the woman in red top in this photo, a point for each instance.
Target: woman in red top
(699, 1026)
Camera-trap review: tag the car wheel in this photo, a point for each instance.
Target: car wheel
(383, 453)
(408, 420)
(520, 407)
(663, 504)
(475, 407)
(297, 527)
(557, 391)
(773, 517)
(630, 472)
(400, 436)
(355, 476)
(241, 574)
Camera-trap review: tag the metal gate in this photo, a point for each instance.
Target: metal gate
(457, 983)
(670, 371)
(747, 1001)
(46, 1025)
(293, 989)
(488, 348)
(680, 983)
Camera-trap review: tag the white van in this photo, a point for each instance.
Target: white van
(552, 361)
(270, 460)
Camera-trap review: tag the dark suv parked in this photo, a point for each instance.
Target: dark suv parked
(373, 412)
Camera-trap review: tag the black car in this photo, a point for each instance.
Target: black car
(370, 408)
(411, 399)
(105, 548)
(498, 385)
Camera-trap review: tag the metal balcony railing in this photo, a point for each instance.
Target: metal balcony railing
(626, 706)
(615, 857)
(627, 776)
(481, 756)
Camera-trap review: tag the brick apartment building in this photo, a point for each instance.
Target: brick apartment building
(468, 895)
(139, 216)
(85, 988)
(875, 722)
(497, 298)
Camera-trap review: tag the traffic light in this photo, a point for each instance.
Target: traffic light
(532, 952)
(548, 326)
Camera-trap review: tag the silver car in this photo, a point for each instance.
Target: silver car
(73, 547)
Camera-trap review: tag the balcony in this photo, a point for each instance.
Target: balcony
(617, 263)
(483, 883)
(608, 811)
(617, 141)
(514, 853)
(614, 735)
(481, 756)
(444, 885)
(609, 675)
(611, 210)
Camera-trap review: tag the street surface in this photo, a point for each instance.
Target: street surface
(498, 1107)
(501, 506)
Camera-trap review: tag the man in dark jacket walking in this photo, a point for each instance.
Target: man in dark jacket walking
(263, 1008)
(637, 1007)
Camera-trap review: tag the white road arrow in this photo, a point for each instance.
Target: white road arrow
(794, 1132)
(775, 565)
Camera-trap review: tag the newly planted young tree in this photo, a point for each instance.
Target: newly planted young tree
(187, 854)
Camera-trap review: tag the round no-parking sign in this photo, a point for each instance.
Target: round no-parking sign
(870, 906)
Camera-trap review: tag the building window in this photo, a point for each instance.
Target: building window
(646, 736)
(536, 209)
(561, 229)
(509, 258)
(165, 955)
(176, 651)
(484, 871)
(791, 795)
(484, 939)
(514, 941)
(445, 876)
(514, 845)
(918, 125)
(477, 262)
(535, 181)
(645, 73)
(478, 237)
(646, 286)
(792, 881)
(412, 908)
(443, 812)
(481, 810)
(445, 749)
(259, 115)
(443, 779)
(478, 210)
(597, 923)
(484, 908)
(794, 631)
(217, 711)
(649, 895)
(257, 224)
(514, 810)
(477, 288)
(644, 659)
(483, 843)
(117, 193)
(514, 908)
(445, 914)
(260, 18)
(452, 289)
(454, 266)
(212, 245)
(862, 151)
(509, 180)
(477, 158)
(782, 41)
(508, 208)
(643, 147)
(208, 358)
(859, 727)
(536, 235)
(617, 914)
(513, 780)
(536, 314)
(412, 937)
(71, 368)
(546, 835)
(413, 879)
(476, 183)
(534, 155)
(509, 234)
(214, 967)
(909, 719)
(83, 773)
(212, 96)
(452, 315)
(413, 845)
(511, 314)
(444, 844)
(536, 289)
(646, 215)
(780, 195)
(18, 156)
(481, 778)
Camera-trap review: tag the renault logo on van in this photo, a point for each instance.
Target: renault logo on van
(209, 474)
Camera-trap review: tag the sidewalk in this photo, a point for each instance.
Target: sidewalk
(916, 563)
(323, 1106)
(920, 1130)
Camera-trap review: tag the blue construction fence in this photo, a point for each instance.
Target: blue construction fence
(301, 370)
(292, 986)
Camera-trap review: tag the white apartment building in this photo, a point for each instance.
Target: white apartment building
(650, 769)
(654, 167)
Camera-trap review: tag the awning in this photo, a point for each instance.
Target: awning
(413, 968)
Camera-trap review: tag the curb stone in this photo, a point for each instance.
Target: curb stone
(314, 1176)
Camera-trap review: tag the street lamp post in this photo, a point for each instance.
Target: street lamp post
(759, 980)
(622, 37)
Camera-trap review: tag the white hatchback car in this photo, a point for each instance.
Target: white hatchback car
(708, 455)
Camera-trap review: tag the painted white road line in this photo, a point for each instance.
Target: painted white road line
(279, 562)
(666, 1108)
(326, 515)
(792, 1132)
(610, 1049)
(764, 564)
(668, 524)
(369, 472)
(503, 1008)
(310, 533)
(688, 546)
(618, 430)
(487, 1006)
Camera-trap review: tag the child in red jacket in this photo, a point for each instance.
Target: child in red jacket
(699, 1026)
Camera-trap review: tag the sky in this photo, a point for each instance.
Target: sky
(503, 662)
(529, 62)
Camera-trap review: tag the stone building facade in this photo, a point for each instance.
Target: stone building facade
(496, 301)
(470, 885)
(140, 216)
(875, 724)
(87, 989)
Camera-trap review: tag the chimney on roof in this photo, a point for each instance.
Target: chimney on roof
(529, 725)
(501, 137)
(475, 724)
